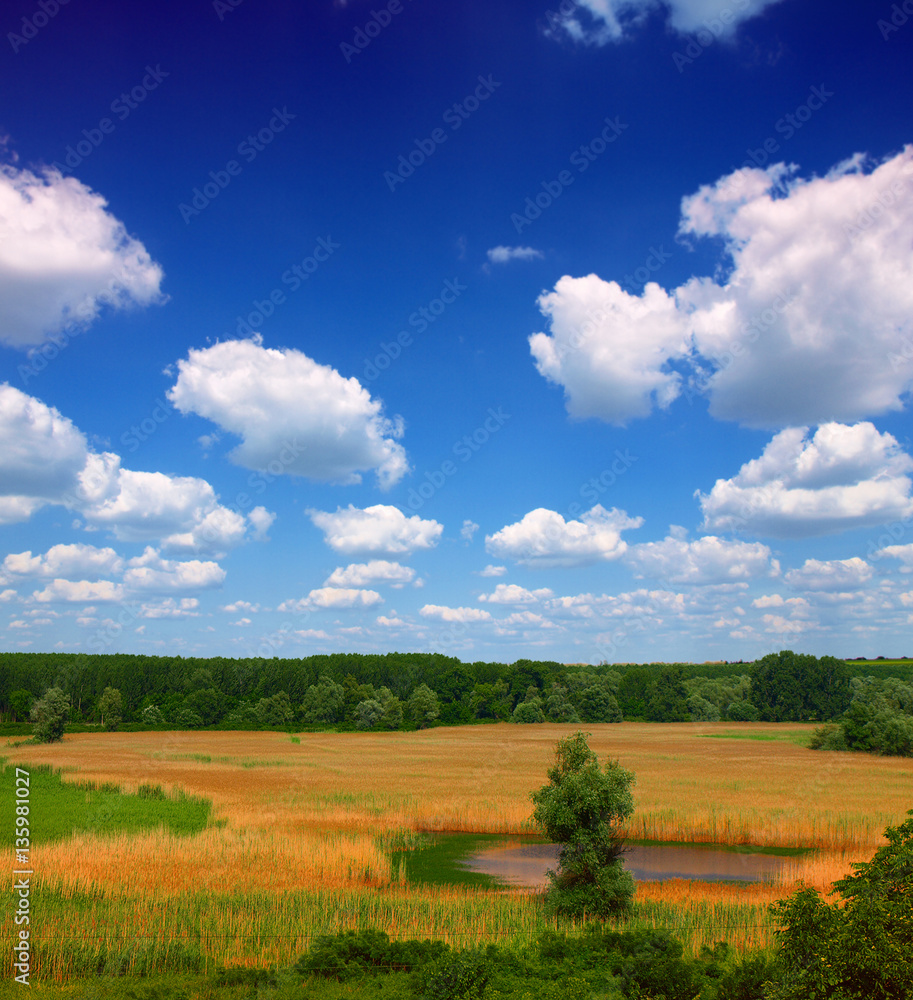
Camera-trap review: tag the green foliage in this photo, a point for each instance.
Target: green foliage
(423, 707)
(581, 808)
(152, 716)
(558, 706)
(354, 954)
(598, 704)
(828, 737)
(21, 703)
(50, 714)
(788, 686)
(529, 710)
(668, 698)
(462, 975)
(111, 708)
(324, 701)
(858, 948)
(275, 711)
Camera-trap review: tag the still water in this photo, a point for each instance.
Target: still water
(525, 864)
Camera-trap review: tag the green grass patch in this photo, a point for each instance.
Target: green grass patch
(799, 737)
(58, 808)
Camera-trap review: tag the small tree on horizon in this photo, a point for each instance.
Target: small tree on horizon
(582, 808)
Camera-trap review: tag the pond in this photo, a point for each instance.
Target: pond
(522, 861)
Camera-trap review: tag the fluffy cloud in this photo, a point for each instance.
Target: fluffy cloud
(501, 255)
(63, 257)
(341, 598)
(608, 349)
(842, 477)
(376, 571)
(842, 575)
(41, 454)
(544, 539)
(293, 415)
(834, 251)
(85, 561)
(598, 22)
(377, 530)
(44, 459)
(902, 552)
(80, 591)
(492, 570)
(184, 607)
(811, 324)
(707, 560)
(445, 614)
(151, 572)
(511, 593)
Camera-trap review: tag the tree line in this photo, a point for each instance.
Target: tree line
(416, 690)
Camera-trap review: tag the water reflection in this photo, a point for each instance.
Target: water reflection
(525, 864)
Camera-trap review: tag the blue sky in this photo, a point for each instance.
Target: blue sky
(577, 332)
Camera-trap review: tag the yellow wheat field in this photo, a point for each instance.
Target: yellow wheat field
(308, 814)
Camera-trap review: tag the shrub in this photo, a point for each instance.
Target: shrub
(460, 976)
(354, 954)
(50, 715)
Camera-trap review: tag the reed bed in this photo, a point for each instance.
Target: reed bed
(692, 786)
(299, 833)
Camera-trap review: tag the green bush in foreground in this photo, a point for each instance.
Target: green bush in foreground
(50, 715)
(861, 947)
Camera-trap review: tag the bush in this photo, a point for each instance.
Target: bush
(860, 947)
(827, 738)
(354, 954)
(460, 976)
(50, 715)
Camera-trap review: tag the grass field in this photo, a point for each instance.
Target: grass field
(300, 836)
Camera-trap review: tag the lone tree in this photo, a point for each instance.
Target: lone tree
(50, 715)
(581, 808)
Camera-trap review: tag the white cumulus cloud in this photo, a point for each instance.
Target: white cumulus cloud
(808, 322)
(151, 572)
(378, 530)
(609, 349)
(842, 477)
(376, 571)
(293, 415)
(707, 560)
(512, 593)
(63, 257)
(842, 575)
(544, 539)
(445, 614)
(80, 591)
(341, 598)
(85, 561)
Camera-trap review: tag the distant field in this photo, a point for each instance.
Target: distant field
(302, 833)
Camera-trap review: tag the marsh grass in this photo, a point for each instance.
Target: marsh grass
(61, 808)
(308, 831)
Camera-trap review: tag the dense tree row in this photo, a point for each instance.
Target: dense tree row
(414, 690)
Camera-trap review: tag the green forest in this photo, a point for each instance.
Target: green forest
(868, 704)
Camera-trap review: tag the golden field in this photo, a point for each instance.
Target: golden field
(306, 824)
